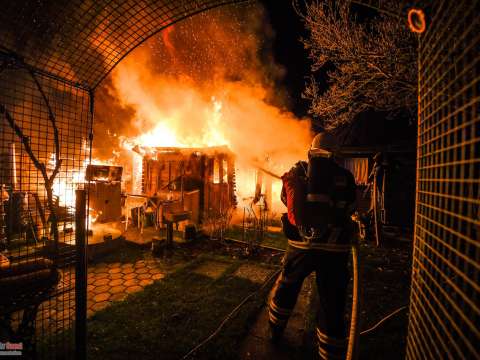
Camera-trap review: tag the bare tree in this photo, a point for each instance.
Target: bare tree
(372, 63)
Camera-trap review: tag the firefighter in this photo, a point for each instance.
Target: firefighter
(320, 198)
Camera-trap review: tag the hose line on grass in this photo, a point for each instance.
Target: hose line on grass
(352, 349)
(353, 338)
(354, 333)
(385, 318)
(231, 314)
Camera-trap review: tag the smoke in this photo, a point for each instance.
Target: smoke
(209, 80)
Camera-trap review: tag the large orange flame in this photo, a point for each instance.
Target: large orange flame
(206, 88)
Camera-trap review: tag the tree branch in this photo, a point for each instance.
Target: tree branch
(372, 62)
(48, 180)
(51, 117)
(25, 141)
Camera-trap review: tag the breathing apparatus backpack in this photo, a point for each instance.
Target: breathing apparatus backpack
(318, 196)
(294, 193)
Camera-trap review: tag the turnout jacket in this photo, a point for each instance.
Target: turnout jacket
(320, 199)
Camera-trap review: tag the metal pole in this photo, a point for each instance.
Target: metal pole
(81, 275)
(182, 182)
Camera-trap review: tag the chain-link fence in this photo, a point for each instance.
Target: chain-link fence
(53, 54)
(445, 297)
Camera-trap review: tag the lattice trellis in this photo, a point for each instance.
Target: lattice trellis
(53, 54)
(445, 298)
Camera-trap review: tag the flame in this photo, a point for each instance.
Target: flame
(69, 180)
(66, 182)
(93, 216)
(200, 90)
(166, 133)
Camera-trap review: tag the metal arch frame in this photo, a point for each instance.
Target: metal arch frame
(7, 54)
(18, 59)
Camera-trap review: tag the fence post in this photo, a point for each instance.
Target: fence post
(80, 276)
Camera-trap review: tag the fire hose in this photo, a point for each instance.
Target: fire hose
(352, 349)
(232, 313)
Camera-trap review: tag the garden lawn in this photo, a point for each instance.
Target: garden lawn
(170, 317)
(271, 238)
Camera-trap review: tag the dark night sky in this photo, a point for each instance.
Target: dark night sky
(288, 50)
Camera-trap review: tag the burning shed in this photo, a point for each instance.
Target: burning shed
(200, 181)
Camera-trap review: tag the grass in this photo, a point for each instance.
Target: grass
(384, 284)
(172, 316)
(273, 239)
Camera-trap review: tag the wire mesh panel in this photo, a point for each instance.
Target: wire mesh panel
(45, 127)
(445, 298)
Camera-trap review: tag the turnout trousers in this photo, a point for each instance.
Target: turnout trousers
(332, 277)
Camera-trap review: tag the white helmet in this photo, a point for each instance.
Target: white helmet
(323, 144)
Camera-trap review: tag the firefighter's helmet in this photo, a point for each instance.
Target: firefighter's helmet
(323, 144)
